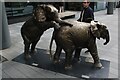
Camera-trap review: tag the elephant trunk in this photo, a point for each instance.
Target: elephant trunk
(107, 38)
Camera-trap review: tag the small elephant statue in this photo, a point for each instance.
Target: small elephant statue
(81, 35)
(44, 17)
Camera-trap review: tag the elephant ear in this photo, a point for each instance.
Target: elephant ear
(95, 29)
(51, 13)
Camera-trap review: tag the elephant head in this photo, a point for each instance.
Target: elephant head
(99, 30)
(39, 13)
(48, 13)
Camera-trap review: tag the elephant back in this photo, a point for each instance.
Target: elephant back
(79, 26)
(79, 32)
(81, 29)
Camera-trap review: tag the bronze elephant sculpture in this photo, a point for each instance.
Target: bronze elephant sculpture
(44, 17)
(81, 35)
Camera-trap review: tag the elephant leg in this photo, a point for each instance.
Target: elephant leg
(33, 47)
(77, 54)
(94, 53)
(26, 50)
(68, 58)
(57, 54)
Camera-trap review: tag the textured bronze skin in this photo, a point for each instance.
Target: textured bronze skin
(81, 35)
(43, 18)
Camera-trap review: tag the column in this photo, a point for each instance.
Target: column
(110, 8)
(5, 41)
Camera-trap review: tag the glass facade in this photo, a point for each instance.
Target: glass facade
(18, 8)
(77, 6)
(24, 8)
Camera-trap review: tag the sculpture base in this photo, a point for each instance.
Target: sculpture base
(81, 70)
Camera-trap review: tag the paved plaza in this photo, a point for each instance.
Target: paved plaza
(108, 52)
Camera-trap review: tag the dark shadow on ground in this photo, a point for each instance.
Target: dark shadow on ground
(80, 70)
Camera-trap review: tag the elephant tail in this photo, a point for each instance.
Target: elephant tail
(51, 42)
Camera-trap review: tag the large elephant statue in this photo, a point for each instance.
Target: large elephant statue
(81, 35)
(44, 17)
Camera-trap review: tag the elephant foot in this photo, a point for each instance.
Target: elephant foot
(98, 65)
(33, 51)
(78, 60)
(56, 61)
(27, 56)
(68, 67)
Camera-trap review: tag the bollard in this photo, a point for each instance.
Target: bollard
(5, 42)
(110, 8)
(0, 24)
